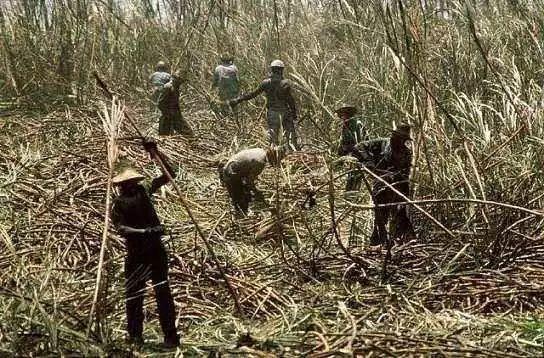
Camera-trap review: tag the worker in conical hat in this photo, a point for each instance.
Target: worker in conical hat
(128, 174)
(353, 132)
(136, 220)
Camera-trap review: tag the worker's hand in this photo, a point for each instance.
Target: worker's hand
(168, 85)
(179, 76)
(155, 230)
(122, 230)
(386, 176)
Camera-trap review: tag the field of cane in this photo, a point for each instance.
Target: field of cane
(467, 75)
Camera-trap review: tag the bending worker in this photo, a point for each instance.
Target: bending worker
(242, 170)
(390, 159)
(135, 219)
(280, 105)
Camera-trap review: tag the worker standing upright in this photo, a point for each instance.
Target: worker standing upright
(390, 159)
(225, 78)
(136, 220)
(280, 105)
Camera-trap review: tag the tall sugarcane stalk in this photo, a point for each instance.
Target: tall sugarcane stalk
(111, 122)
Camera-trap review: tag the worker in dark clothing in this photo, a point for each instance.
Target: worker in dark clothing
(390, 159)
(166, 96)
(353, 132)
(242, 170)
(135, 219)
(280, 105)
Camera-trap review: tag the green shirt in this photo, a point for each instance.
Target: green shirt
(353, 132)
(378, 154)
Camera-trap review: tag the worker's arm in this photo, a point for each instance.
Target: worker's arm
(155, 154)
(361, 134)
(126, 230)
(132, 231)
(364, 153)
(291, 101)
(248, 96)
(215, 81)
(118, 222)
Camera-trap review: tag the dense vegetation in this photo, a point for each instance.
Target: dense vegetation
(467, 74)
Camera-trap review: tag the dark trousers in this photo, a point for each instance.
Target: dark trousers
(353, 182)
(285, 120)
(139, 268)
(172, 122)
(239, 192)
(401, 224)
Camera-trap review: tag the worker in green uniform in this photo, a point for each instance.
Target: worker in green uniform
(353, 132)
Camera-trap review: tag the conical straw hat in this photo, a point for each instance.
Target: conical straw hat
(346, 107)
(126, 175)
(403, 131)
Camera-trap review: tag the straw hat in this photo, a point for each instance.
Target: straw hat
(344, 107)
(126, 175)
(402, 131)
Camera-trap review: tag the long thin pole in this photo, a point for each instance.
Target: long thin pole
(111, 125)
(103, 247)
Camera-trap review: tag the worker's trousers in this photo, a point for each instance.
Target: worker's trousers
(172, 122)
(282, 120)
(239, 192)
(401, 224)
(139, 268)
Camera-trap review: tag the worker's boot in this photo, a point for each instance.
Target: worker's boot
(171, 341)
(403, 229)
(379, 236)
(136, 341)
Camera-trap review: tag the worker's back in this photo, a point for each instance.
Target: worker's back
(278, 94)
(248, 163)
(226, 80)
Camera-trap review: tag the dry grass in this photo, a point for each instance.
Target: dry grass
(471, 87)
